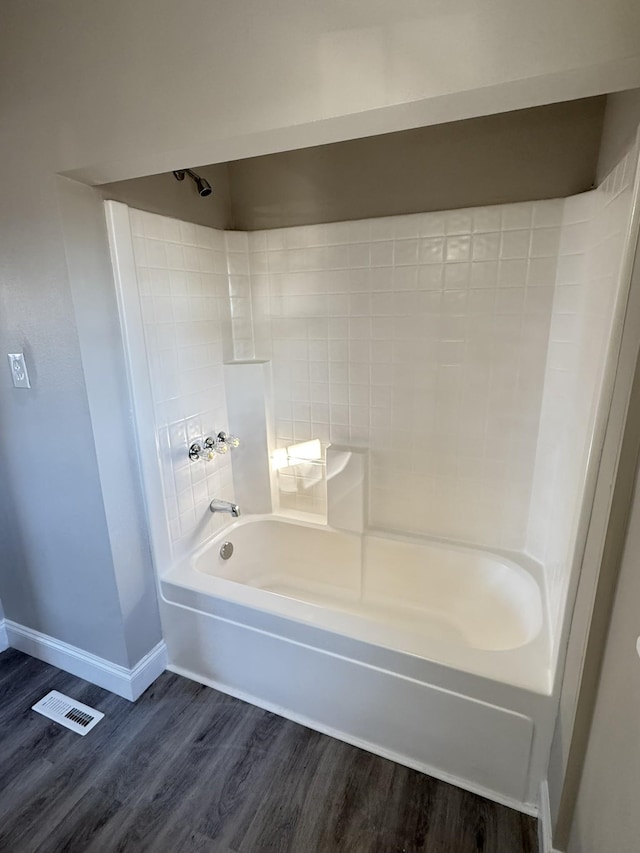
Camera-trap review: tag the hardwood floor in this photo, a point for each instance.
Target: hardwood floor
(186, 768)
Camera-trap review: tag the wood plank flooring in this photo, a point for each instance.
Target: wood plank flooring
(186, 769)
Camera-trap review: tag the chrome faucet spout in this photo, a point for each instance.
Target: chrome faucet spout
(217, 505)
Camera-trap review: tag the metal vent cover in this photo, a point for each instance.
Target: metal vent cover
(67, 712)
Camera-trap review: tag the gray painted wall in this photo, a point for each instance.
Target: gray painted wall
(622, 115)
(546, 152)
(56, 573)
(163, 194)
(607, 815)
(75, 562)
(542, 152)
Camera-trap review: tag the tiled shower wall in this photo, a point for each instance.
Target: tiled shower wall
(183, 286)
(465, 349)
(423, 337)
(588, 287)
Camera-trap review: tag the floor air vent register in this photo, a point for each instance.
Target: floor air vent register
(74, 715)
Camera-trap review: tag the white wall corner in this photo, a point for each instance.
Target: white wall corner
(545, 843)
(145, 672)
(4, 640)
(128, 683)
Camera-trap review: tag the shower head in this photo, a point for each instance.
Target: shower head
(204, 187)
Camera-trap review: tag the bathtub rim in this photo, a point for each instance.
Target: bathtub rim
(527, 667)
(521, 562)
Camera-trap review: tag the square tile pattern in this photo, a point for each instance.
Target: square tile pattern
(424, 338)
(183, 283)
(465, 349)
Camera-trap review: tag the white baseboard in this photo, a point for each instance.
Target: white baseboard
(4, 640)
(145, 672)
(128, 683)
(545, 842)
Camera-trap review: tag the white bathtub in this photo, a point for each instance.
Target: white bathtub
(432, 654)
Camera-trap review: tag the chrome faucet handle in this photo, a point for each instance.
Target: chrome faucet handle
(224, 442)
(221, 444)
(197, 452)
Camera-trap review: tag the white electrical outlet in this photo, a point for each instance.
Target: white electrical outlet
(18, 370)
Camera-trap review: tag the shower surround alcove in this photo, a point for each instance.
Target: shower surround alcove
(458, 362)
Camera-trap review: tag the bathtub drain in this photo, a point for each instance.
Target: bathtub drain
(226, 550)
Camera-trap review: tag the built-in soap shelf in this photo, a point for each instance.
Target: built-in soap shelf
(261, 473)
(304, 453)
